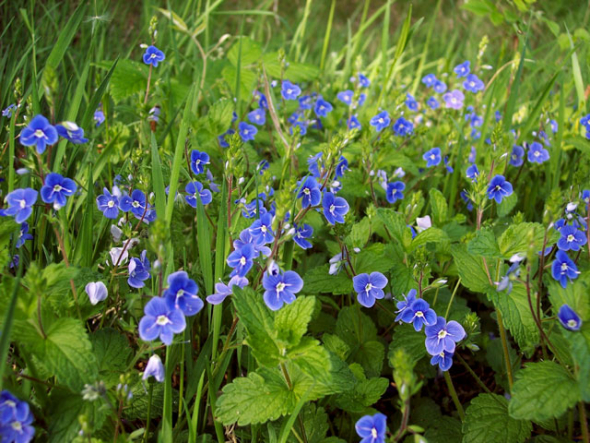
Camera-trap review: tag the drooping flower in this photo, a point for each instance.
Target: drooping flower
(354, 123)
(442, 336)
(281, 288)
(161, 321)
(153, 56)
(247, 132)
(258, 117)
(195, 190)
(71, 132)
(99, 117)
(221, 138)
(463, 69)
(198, 161)
(305, 102)
(290, 91)
(108, 204)
(262, 229)
(7, 112)
(139, 271)
(23, 235)
(309, 193)
(154, 368)
(499, 188)
(369, 288)
(322, 107)
(394, 191)
(473, 84)
(222, 291)
(335, 208)
(537, 153)
(20, 204)
(341, 167)
(571, 239)
(569, 318)
(372, 428)
(403, 127)
(302, 233)
(40, 133)
(516, 157)
(57, 188)
(364, 81)
(472, 172)
(564, 269)
(454, 99)
(419, 313)
(96, 291)
(432, 157)
(182, 294)
(444, 360)
(241, 260)
(380, 121)
(405, 304)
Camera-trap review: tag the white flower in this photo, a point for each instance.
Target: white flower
(97, 291)
(423, 223)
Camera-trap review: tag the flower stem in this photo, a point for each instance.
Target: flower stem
(452, 298)
(149, 411)
(454, 396)
(505, 349)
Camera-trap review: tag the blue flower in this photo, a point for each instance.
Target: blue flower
(454, 99)
(99, 117)
(380, 121)
(442, 336)
(108, 204)
(262, 101)
(571, 239)
(554, 126)
(23, 235)
(153, 56)
(499, 188)
(154, 114)
(448, 167)
(139, 271)
(353, 123)
(154, 368)
(335, 208)
(20, 204)
(345, 97)
(433, 103)
(258, 117)
(411, 103)
(182, 294)
(472, 155)
(419, 313)
(241, 260)
(440, 86)
(564, 268)
(136, 203)
(262, 229)
(394, 191)
(429, 80)
(369, 288)
(247, 132)
(364, 81)
(465, 197)
(256, 242)
(405, 304)
(473, 84)
(15, 419)
(198, 161)
(7, 112)
(221, 138)
(586, 196)
(569, 319)
(463, 69)
(432, 157)
(194, 189)
(315, 165)
(302, 233)
(96, 291)
(516, 157)
(57, 188)
(537, 153)
(161, 321)
(309, 193)
(322, 108)
(444, 360)
(222, 291)
(372, 428)
(341, 167)
(281, 288)
(403, 127)
(305, 102)
(71, 132)
(472, 172)
(39, 133)
(290, 91)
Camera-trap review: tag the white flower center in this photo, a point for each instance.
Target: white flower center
(40, 134)
(162, 320)
(570, 238)
(57, 188)
(432, 156)
(536, 153)
(17, 426)
(152, 56)
(572, 323)
(442, 334)
(263, 228)
(332, 209)
(180, 293)
(135, 204)
(23, 204)
(419, 314)
(374, 433)
(111, 203)
(306, 191)
(243, 261)
(563, 267)
(280, 286)
(368, 287)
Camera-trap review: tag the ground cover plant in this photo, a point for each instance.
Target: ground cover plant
(316, 222)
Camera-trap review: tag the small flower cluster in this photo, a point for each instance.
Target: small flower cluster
(15, 419)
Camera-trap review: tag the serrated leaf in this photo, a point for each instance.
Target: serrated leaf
(430, 235)
(439, 207)
(542, 391)
(518, 238)
(484, 244)
(129, 77)
(112, 353)
(394, 222)
(412, 342)
(291, 321)
(311, 358)
(248, 50)
(219, 116)
(487, 421)
(319, 281)
(64, 409)
(365, 393)
(507, 205)
(471, 269)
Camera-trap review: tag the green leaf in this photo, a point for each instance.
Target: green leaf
(394, 222)
(138, 406)
(311, 358)
(507, 205)
(64, 409)
(292, 320)
(542, 391)
(580, 349)
(365, 393)
(250, 52)
(359, 235)
(67, 353)
(519, 238)
(219, 116)
(319, 281)
(259, 323)
(517, 317)
(130, 77)
(412, 342)
(484, 244)
(430, 235)
(471, 270)
(487, 421)
(439, 206)
(112, 353)
(443, 430)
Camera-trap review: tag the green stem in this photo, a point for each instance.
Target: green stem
(452, 298)
(149, 411)
(473, 374)
(505, 349)
(583, 422)
(454, 396)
